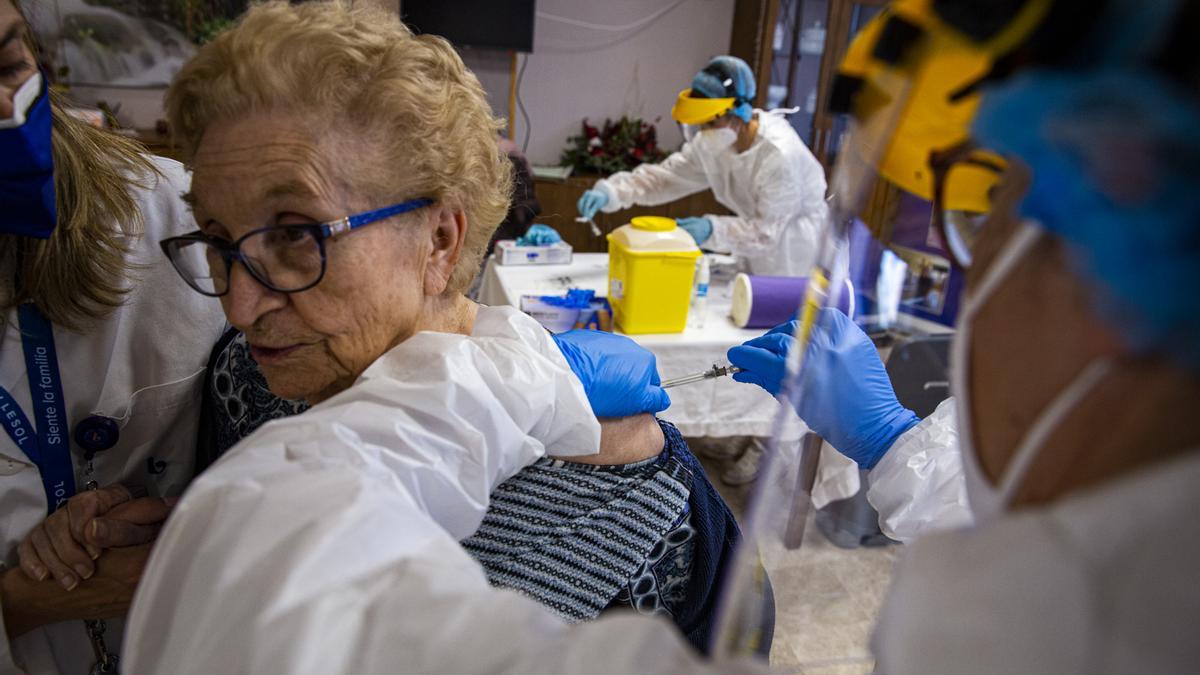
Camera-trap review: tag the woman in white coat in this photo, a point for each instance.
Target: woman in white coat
(100, 368)
(753, 161)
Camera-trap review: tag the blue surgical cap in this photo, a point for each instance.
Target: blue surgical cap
(727, 77)
(1115, 154)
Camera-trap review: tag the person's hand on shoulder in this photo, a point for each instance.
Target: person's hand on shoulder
(619, 375)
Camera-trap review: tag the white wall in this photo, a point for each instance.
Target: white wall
(577, 72)
(139, 108)
(573, 72)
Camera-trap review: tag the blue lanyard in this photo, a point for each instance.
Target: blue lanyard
(49, 446)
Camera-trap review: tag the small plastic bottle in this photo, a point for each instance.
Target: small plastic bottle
(699, 309)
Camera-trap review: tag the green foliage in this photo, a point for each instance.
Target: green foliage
(209, 28)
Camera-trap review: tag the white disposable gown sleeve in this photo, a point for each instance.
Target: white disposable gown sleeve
(788, 193)
(677, 176)
(918, 485)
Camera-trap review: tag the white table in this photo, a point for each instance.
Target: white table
(718, 407)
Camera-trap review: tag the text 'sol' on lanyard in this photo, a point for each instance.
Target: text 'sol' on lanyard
(49, 445)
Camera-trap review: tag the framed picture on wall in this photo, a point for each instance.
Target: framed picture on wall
(124, 43)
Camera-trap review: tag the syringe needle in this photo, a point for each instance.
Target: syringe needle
(715, 371)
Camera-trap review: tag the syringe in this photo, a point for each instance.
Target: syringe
(715, 371)
(591, 221)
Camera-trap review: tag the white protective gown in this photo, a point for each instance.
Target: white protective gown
(1099, 582)
(328, 542)
(918, 485)
(776, 188)
(143, 366)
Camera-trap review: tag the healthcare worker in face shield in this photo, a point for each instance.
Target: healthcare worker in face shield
(1066, 465)
(752, 160)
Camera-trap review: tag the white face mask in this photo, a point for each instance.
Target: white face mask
(712, 142)
(23, 99)
(989, 501)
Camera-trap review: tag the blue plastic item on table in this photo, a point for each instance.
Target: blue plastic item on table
(539, 235)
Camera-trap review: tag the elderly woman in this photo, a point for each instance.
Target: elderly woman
(346, 182)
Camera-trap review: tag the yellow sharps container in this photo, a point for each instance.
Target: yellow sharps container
(651, 265)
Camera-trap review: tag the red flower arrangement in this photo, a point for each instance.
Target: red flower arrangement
(617, 146)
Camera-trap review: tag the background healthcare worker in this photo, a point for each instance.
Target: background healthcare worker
(755, 164)
(1071, 444)
(100, 367)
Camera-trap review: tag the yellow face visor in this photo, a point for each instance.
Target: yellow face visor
(689, 110)
(929, 100)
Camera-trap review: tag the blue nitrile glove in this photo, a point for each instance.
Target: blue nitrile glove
(846, 398)
(539, 235)
(591, 202)
(619, 376)
(699, 228)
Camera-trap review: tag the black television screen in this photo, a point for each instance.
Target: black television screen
(494, 24)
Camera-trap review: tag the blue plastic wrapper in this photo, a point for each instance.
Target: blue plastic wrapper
(577, 308)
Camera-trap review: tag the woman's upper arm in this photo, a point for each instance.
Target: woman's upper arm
(624, 440)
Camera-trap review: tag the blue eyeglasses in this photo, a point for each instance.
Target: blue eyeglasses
(284, 258)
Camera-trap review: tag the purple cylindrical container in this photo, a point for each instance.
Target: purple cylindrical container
(766, 302)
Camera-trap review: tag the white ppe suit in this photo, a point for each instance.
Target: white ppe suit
(142, 365)
(1103, 581)
(776, 188)
(328, 542)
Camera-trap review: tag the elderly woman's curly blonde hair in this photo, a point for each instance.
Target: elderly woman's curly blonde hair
(418, 110)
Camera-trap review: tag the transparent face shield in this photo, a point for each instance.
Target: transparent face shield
(788, 556)
(964, 178)
(922, 86)
(779, 513)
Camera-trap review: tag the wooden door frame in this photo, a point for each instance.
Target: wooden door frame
(752, 39)
(837, 39)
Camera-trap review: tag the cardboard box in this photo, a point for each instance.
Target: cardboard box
(508, 253)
